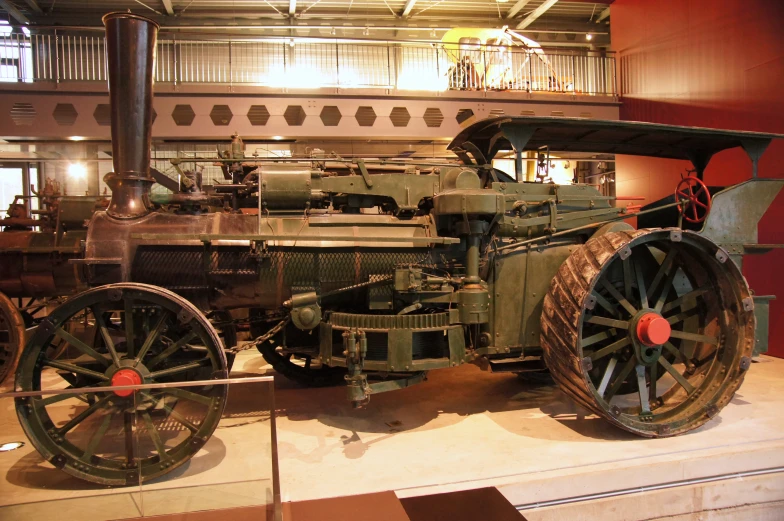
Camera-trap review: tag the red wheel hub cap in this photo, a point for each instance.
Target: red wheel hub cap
(126, 377)
(653, 329)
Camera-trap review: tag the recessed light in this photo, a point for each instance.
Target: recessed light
(11, 445)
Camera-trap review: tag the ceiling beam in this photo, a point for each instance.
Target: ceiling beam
(14, 12)
(34, 6)
(604, 14)
(409, 6)
(516, 8)
(536, 13)
(292, 7)
(166, 5)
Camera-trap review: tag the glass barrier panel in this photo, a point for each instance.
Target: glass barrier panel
(125, 452)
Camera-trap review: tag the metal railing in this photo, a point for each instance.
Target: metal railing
(71, 57)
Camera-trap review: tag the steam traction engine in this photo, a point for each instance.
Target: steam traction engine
(375, 278)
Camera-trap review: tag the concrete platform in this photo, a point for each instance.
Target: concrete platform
(462, 429)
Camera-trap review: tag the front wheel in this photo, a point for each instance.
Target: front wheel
(650, 329)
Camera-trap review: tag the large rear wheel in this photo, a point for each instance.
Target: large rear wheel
(650, 329)
(12, 335)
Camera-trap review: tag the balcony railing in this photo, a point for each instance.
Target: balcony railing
(72, 57)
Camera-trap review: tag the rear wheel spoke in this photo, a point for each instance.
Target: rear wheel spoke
(155, 436)
(77, 369)
(625, 372)
(683, 382)
(179, 369)
(166, 353)
(620, 298)
(609, 322)
(81, 346)
(152, 337)
(642, 390)
(79, 418)
(188, 395)
(608, 371)
(95, 440)
(664, 269)
(641, 285)
(612, 348)
(683, 335)
(654, 376)
(683, 298)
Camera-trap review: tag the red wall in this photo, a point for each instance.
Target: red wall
(711, 63)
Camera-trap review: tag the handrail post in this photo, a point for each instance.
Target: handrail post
(574, 76)
(56, 57)
(484, 67)
(231, 76)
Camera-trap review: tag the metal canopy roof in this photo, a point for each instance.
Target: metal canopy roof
(484, 139)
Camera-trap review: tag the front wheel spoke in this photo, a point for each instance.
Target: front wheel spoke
(79, 418)
(627, 369)
(642, 390)
(130, 335)
(96, 438)
(107, 338)
(166, 353)
(609, 322)
(172, 413)
(155, 436)
(620, 298)
(152, 337)
(43, 402)
(73, 368)
(179, 369)
(683, 298)
(81, 346)
(684, 335)
(612, 348)
(188, 395)
(683, 382)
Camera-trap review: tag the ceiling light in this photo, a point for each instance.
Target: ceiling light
(77, 171)
(277, 138)
(26, 31)
(589, 37)
(291, 42)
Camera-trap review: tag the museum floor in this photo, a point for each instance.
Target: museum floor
(462, 429)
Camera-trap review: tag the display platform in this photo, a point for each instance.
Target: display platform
(462, 429)
(465, 429)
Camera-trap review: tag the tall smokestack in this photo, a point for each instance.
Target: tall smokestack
(130, 50)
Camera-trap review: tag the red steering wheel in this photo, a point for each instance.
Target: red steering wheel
(693, 190)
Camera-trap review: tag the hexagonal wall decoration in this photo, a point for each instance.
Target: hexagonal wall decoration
(294, 115)
(433, 117)
(464, 115)
(65, 114)
(103, 114)
(23, 114)
(258, 115)
(221, 115)
(400, 116)
(365, 116)
(330, 116)
(183, 115)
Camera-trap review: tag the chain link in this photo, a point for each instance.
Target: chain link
(261, 339)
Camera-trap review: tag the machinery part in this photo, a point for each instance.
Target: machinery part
(372, 322)
(651, 329)
(300, 364)
(143, 334)
(224, 325)
(12, 335)
(693, 190)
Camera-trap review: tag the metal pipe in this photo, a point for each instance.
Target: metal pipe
(130, 48)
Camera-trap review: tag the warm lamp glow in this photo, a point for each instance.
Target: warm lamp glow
(77, 171)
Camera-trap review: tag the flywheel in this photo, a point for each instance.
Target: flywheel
(651, 329)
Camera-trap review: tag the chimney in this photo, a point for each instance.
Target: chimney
(130, 50)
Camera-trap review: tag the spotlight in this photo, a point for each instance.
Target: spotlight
(11, 445)
(77, 171)
(589, 37)
(277, 138)
(291, 42)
